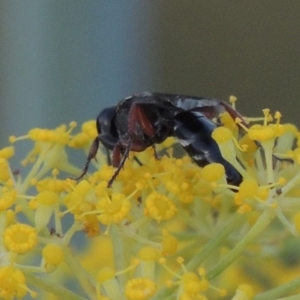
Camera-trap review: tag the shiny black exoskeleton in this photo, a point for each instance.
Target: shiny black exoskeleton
(141, 121)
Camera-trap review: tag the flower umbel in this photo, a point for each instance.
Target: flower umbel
(167, 229)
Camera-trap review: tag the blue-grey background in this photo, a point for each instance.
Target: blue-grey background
(65, 60)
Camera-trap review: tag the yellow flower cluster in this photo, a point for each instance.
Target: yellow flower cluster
(167, 229)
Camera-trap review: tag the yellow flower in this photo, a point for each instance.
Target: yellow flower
(13, 284)
(113, 209)
(20, 238)
(47, 198)
(53, 255)
(244, 292)
(7, 199)
(140, 289)
(156, 210)
(82, 139)
(159, 207)
(4, 169)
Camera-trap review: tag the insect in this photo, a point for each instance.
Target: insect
(141, 121)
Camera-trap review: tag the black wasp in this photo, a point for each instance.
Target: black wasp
(141, 121)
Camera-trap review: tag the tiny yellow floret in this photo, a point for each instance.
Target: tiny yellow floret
(159, 207)
(248, 188)
(140, 289)
(213, 172)
(7, 152)
(53, 254)
(7, 199)
(148, 253)
(47, 198)
(222, 134)
(232, 99)
(12, 139)
(244, 292)
(261, 133)
(20, 238)
(89, 128)
(12, 283)
(114, 209)
(169, 244)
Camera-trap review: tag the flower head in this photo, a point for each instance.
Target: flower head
(166, 229)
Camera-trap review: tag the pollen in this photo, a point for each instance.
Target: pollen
(114, 209)
(20, 238)
(159, 207)
(140, 289)
(91, 226)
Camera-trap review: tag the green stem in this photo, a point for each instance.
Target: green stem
(35, 168)
(30, 269)
(117, 239)
(51, 287)
(84, 278)
(70, 233)
(268, 150)
(263, 221)
(2, 228)
(196, 261)
(295, 297)
(280, 291)
(213, 244)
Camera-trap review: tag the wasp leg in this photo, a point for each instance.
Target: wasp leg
(156, 156)
(137, 161)
(233, 113)
(108, 158)
(137, 117)
(116, 154)
(92, 154)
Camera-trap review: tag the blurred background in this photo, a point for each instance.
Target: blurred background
(66, 60)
